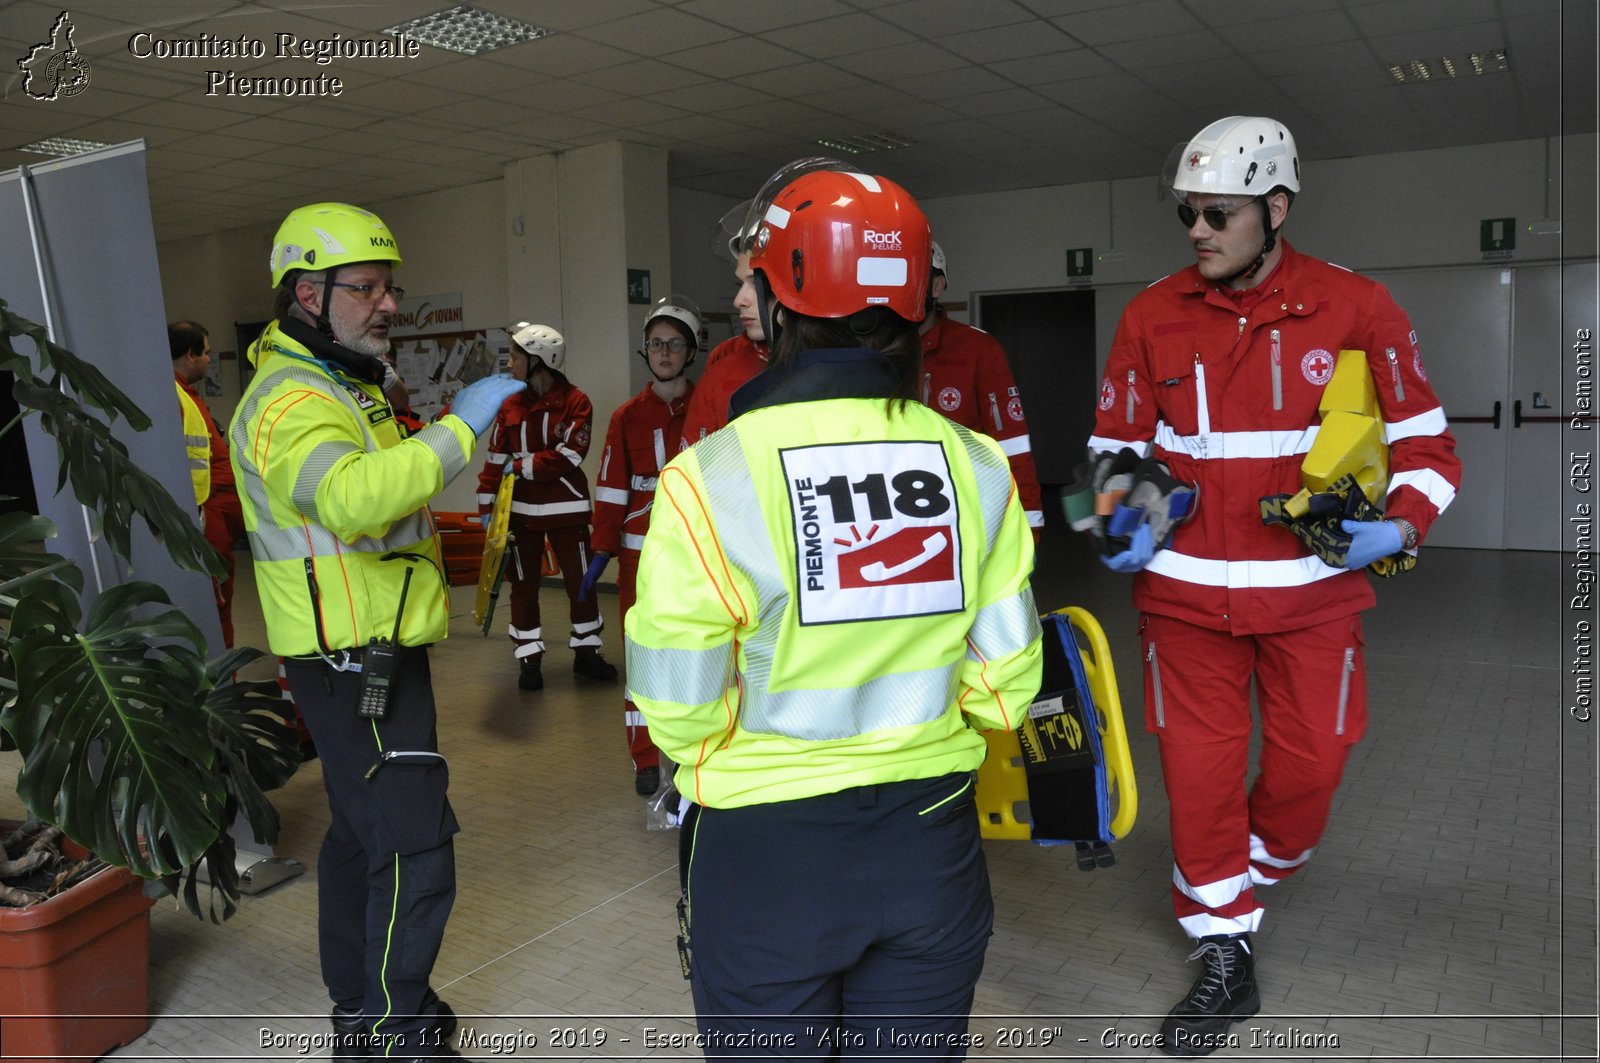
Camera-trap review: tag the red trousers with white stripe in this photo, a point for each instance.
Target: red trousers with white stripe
(571, 547)
(640, 747)
(1310, 687)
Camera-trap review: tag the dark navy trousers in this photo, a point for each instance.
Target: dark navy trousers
(386, 872)
(851, 924)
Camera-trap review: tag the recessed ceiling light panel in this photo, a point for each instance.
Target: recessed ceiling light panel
(865, 142)
(467, 30)
(62, 146)
(1446, 67)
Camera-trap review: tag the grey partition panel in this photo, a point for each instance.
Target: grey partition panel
(96, 270)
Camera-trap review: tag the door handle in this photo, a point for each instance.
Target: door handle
(1497, 415)
(1516, 414)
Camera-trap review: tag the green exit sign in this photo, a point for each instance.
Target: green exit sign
(638, 286)
(1497, 234)
(1080, 261)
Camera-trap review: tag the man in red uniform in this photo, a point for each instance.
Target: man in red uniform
(1217, 371)
(643, 436)
(730, 364)
(966, 377)
(222, 516)
(541, 436)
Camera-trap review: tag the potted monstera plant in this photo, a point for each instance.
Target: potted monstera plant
(133, 745)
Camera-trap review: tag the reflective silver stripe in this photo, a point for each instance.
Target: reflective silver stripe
(1428, 423)
(588, 627)
(322, 458)
(1236, 444)
(1016, 445)
(994, 483)
(442, 440)
(547, 509)
(1211, 572)
(268, 543)
(1004, 627)
(614, 495)
(631, 541)
(1439, 490)
(679, 677)
(902, 700)
(643, 483)
(661, 449)
(496, 458)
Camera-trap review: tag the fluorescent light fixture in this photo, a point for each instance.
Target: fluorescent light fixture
(865, 142)
(467, 30)
(62, 146)
(1416, 71)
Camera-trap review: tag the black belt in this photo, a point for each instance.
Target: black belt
(348, 660)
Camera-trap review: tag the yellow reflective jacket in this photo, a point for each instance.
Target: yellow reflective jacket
(196, 445)
(831, 595)
(336, 504)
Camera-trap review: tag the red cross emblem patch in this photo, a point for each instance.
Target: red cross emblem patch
(1317, 367)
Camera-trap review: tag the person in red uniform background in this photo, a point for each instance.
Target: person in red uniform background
(966, 377)
(730, 364)
(541, 436)
(643, 436)
(1217, 371)
(222, 515)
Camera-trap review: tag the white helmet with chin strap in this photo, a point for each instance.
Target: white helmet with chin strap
(1240, 156)
(540, 341)
(683, 313)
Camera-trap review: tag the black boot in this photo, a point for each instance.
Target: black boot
(1224, 994)
(532, 678)
(647, 781)
(352, 1040)
(591, 664)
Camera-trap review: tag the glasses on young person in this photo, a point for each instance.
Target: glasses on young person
(1216, 217)
(675, 345)
(368, 292)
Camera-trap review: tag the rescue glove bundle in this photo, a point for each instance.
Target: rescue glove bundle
(1130, 505)
(1334, 528)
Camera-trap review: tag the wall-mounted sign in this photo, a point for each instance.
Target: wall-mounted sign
(1080, 262)
(1497, 238)
(428, 314)
(638, 286)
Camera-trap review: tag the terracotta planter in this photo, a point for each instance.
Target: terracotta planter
(69, 961)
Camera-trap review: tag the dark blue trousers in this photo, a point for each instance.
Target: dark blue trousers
(851, 924)
(386, 873)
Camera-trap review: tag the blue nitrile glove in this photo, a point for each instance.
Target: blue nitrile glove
(592, 576)
(484, 519)
(1369, 541)
(1141, 548)
(479, 401)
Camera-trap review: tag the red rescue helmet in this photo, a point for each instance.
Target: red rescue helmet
(835, 242)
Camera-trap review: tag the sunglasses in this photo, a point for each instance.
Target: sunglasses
(1216, 217)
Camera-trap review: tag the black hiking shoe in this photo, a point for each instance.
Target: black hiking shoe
(1224, 994)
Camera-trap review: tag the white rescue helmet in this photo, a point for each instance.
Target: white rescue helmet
(937, 257)
(540, 341)
(1238, 156)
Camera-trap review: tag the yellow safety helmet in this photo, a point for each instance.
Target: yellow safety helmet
(324, 235)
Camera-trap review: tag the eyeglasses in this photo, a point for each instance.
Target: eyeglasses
(1216, 217)
(676, 346)
(365, 292)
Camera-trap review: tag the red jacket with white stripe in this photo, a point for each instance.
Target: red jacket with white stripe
(643, 436)
(966, 377)
(730, 364)
(544, 438)
(1228, 399)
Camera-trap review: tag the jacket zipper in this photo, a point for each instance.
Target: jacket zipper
(1130, 396)
(1202, 410)
(1277, 370)
(1344, 688)
(397, 754)
(994, 412)
(1155, 684)
(1394, 371)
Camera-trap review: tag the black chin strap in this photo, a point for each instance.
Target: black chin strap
(1266, 248)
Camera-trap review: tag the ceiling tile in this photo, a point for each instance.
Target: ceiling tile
(1056, 66)
(747, 17)
(1000, 43)
(1420, 16)
(645, 34)
(713, 97)
(929, 18)
(901, 61)
(843, 35)
(646, 77)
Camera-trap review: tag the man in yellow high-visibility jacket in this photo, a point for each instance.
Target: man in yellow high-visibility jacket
(833, 600)
(353, 589)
